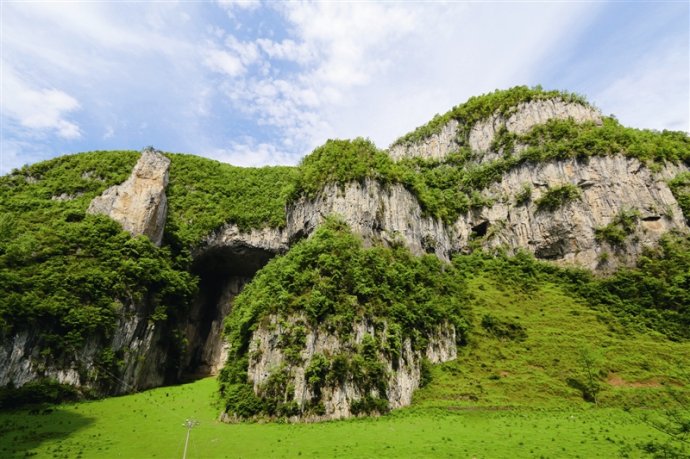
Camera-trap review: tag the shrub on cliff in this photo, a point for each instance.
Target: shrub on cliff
(333, 282)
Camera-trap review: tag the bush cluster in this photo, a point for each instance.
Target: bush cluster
(557, 197)
(655, 294)
(334, 283)
(67, 275)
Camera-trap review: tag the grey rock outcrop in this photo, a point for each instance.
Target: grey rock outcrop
(436, 146)
(136, 339)
(522, 118)
(139, 204)
(608, 186)
(527, 115)
(403, 378)
(378, 213)
(269, 239)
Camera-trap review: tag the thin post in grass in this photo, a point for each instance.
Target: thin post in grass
(189, 424)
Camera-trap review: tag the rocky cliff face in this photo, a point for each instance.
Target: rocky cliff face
(527, 115)
(378, 213)
(521, 119)
(337, 398)
(139, 204)
(608, 187)
(136, 341)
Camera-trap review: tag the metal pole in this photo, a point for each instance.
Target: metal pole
(189, 424)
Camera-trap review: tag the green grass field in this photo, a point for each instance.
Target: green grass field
(149, 424)
(502, 398)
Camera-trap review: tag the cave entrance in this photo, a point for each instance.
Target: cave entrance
(223, 272)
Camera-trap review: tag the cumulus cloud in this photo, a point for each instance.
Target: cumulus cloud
(379, 69)
(224, 62)
(248, 152)
(38, 109)
(269, 81)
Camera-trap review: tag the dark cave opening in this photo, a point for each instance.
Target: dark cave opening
(222, 272)
(481, 229)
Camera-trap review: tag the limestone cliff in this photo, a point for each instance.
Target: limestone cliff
(336, 398)
(139, 204)
(612, 191)
(481, 135)
(136, 342)
(608, 187)
(388, 214)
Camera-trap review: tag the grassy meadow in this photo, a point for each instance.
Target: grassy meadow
(149, 425)
(504, 397)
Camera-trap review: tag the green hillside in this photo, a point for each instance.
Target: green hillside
(532, 336)
(507, 395)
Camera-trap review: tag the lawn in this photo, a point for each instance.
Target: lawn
(149, 425)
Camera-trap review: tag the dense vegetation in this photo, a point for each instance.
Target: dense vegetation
(331, 283)
(477, 108)
(450, 187)
(70, 275)
(680, 186)
(654, 295)
(204, 194)
(66, 274)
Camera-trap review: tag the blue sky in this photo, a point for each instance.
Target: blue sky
(253, 83)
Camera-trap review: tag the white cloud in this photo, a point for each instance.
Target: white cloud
(250, 153)
(636, 99)
(287, 50)
(223, 62)
(278, 79)
(380, 69)
(38, 109)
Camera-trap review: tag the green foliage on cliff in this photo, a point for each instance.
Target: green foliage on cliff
(450, 187)
(203, 194)
(680, 187)
(557, 197)
(340, 162)
(331, 283)
(477, 108)
(619, 229)
(65, 276)
(563, 139)
(653, 295)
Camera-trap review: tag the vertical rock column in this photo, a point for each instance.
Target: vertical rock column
(139, 204)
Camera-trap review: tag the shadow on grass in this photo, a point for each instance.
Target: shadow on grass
(23, 431)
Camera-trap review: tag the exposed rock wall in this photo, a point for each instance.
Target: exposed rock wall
(139, 204)
(269, 239)
(392, 215)
(608, 186)
(137, 340)
(436, 146)
(524, 116)
(337, 399)
(527, 115)
(378, 213)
